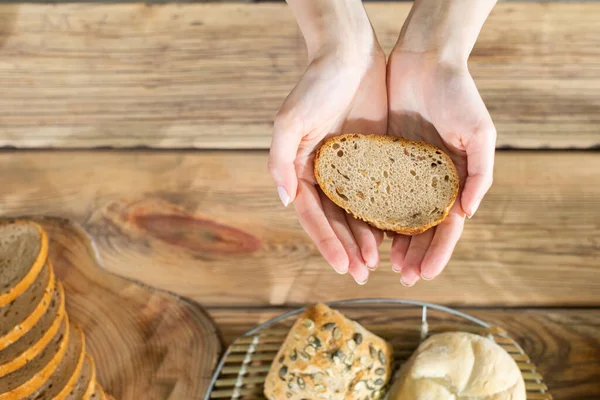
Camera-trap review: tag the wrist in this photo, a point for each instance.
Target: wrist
(446, 29)
(335, 28)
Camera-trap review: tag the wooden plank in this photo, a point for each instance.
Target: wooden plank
(564, 344)
(213, 75)
(209, 226)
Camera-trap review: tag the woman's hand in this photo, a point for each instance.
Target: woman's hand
(438, 103)
(343, 90)
(432, 97)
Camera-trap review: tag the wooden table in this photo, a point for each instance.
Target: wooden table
(149, 127)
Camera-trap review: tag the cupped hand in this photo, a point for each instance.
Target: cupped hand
(439, 103)
(340, 92)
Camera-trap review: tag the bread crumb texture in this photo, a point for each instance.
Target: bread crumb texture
(392, 183)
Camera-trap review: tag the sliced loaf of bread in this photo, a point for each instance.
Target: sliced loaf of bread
(392, 183)
(29, 378)
(18, 354)
(23, 254)
(18, 330)
(85, 380)
(64, 378)
(17, 310)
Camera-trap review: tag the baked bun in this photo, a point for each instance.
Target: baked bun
(458, 365)
(327, 356)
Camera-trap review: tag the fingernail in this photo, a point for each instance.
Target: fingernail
(474, 208)
(362, 283)
(373, 268)
(396, 268)
(283, 195)
(425, 278)
(405, 284)
(339, 271)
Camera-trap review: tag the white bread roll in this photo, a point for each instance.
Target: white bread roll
(458, 365)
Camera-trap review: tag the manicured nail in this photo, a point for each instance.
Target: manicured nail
(341, 271)
(405, 284)
(283, 195)
(474, 208)
(373, 268)
(396, 268)
(362, 283)
(425, 278)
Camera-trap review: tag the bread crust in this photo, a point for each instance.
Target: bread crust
(386, 139)
(41, 376)
(29, 322)
(36, 267)
(32, 352)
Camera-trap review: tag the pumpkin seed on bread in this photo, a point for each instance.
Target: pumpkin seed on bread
(392, 183)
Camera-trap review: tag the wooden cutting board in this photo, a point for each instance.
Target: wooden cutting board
(147, 344)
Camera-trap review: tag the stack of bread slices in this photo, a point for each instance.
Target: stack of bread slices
(42, 354)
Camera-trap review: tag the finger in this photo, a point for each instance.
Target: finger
(312, 218)
(366, 241)
(399, 248)
(480, 167)
(287, 135)
(337, 219)
(411, 271)
(378, 233)
(440, 250)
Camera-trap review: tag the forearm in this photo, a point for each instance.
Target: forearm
(333, 25)
(448, 28)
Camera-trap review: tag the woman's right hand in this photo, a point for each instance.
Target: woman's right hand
(343, 90)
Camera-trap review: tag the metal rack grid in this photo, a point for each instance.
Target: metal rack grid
(242, 370)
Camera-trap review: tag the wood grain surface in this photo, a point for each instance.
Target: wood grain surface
(213, 75)
(564, 344)
(146, 343)
(209, 226)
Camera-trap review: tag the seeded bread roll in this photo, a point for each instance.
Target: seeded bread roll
(327, 356)
(459, 365)
(392, 183)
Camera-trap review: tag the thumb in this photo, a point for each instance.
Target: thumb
(480, 166)
(284, 147)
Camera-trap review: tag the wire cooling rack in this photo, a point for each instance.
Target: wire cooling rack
(241, 372)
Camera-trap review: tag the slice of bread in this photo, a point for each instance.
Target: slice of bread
(26, 380)
(64, 378)
(23, 253)
(18, 330)
(392, 183)
(83, 380)
(33, 342)
(17, 310)
(97, 394)
(91, 389)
